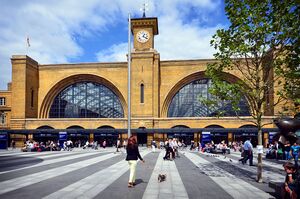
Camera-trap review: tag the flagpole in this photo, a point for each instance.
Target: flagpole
(27, 45)
(129, 77)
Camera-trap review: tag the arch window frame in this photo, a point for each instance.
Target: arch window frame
(185, 102)
(86, 99)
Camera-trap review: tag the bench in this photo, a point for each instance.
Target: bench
(277, 188)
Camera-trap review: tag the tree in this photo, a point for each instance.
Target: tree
(262, 46)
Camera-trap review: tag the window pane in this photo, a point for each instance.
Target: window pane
(186, 102)
(86, 100)
(2, 101)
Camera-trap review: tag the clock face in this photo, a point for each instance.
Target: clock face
(143, 36)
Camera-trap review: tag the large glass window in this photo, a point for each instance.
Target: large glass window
(186, 102)
(86, 100)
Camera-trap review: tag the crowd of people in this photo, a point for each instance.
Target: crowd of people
(67, 145)
(284, 151)
(31, 145)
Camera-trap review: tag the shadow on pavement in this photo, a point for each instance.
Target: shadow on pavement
(8, 163)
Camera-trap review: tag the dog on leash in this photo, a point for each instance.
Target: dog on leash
(161, 177)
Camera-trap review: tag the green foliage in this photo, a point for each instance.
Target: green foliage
(262, 40)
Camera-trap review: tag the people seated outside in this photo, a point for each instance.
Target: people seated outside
(69, 145)
(291, 186)
(275, 151)
(209, 147)
(86, 144)
(29, 146)
(25, 147)
(217, 148)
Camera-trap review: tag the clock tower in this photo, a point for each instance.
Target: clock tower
(144, 71)
(143, 30)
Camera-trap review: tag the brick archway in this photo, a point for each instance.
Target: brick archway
(186, 80)
(59, 86)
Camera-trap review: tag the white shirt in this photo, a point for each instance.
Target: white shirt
(248, 145)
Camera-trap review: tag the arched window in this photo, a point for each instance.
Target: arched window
(142, 93)
(86, 100)
(186, 102)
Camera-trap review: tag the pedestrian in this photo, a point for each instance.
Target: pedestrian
(13, 144)
(104, 144)
(223, 148)
(287, 149)
(133, 155)
(124, 144)
(248, 151)
(118, 145)
(295, 153)
(153, 145)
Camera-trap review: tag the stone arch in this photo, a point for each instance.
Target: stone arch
(186, 80)
(248, 126)
(105, 127)
(75, 127)
(180, 126)
(62, 84)
(45, 127)
(214, 126)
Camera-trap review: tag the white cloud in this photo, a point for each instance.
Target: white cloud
(179, 41)
(117, 52)
(176, 39)
(56, 26)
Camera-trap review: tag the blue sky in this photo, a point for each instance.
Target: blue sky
(78, 31)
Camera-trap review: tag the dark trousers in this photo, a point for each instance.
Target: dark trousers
(168, 153)
(248, 155)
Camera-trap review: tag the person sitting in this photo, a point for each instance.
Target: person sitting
(86, 144)
(290, 187)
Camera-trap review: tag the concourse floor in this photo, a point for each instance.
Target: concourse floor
(104, 173)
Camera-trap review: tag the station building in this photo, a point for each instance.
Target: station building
(88, 101)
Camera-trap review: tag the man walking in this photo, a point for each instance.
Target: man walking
(248, 151)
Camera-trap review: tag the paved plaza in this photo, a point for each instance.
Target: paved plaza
(103, 173)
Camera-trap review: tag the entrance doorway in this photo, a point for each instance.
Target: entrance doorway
(142, 138)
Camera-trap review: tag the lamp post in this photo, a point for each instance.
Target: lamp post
(129, 77)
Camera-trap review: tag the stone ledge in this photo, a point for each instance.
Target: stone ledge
(277, 188)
